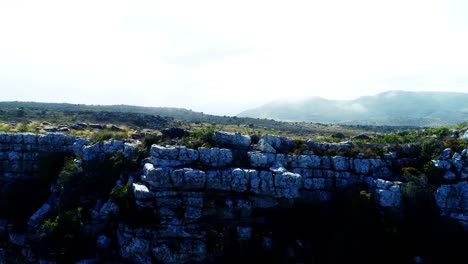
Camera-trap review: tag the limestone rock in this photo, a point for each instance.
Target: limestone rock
(446, 153)
(452, 196)
(305, 161)
(388, 193)
(260, 160)
(130, 151)
(172, 156)
(265, 147)
(215, 157)
(279, 144)
(240, 180)
(159, 178)
(465, 136)
(340, 163)
(442, 164)
(232, 140)
(135, 249)
(194, 179)
(450, 175)
(361, 166)
(113, 146)
(92, 152)
(39, 216)
(288, 185)
(141, 191)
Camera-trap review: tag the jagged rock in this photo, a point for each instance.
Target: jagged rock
(465, 136)
(18, 239)
(265, 147)
(318, 184)
(279, 144)
(361, 166)
(340, 163)
(91, 152)
(141, 191)
(260, 160)
(240, 180)
(51, 129)
(391, 155)
(109, 208)
(262, 183)
(97, 126)
(159, 178)
(446, 153)
(288, 185)
(167, 153)
(277, 168)
(338, 135)
(135, 249)
(113, 146)
(116, 128)
(450, 175)
(78, 145)
(362, 137)
(387, 193)
(39, 216)
(452, 196)
(174, 132)
(305, 161)
(130, 151)
(194, 179)
(232, 140)
(215, 157)
(442, 164)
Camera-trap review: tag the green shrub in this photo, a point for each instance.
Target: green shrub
(122, 196)
(200, 138)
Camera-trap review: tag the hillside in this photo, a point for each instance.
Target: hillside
(389, 108)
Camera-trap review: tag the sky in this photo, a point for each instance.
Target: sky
(222, 57)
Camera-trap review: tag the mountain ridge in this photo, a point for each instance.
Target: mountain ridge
(387, 108)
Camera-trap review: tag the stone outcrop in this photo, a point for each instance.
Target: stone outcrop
(199, 200)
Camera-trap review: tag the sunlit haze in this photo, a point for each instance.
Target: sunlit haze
(222, 57)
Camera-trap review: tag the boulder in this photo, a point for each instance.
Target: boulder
(362, 137)
(174, 132)
(387, 193)
(465, 135)
(452, 196)
(287, 185)
(232, 140)
(279, 144)
(265, 147)
(446, 153)
(338, 135)
(92, 152)
(340, 163)
(215, 157)
(39, 216)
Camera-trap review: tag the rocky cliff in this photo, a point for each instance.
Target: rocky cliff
(207, 204)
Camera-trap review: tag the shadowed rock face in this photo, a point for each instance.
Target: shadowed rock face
(203, 204)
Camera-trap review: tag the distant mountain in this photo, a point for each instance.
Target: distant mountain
(388, 108)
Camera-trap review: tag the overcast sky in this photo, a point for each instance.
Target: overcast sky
(224, 56)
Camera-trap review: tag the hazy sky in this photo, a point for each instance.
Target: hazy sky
(223, 56)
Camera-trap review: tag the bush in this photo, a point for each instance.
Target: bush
(200, 138)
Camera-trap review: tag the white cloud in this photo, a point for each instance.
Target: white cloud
(223, 55)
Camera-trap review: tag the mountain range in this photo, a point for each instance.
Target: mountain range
(400, 108)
